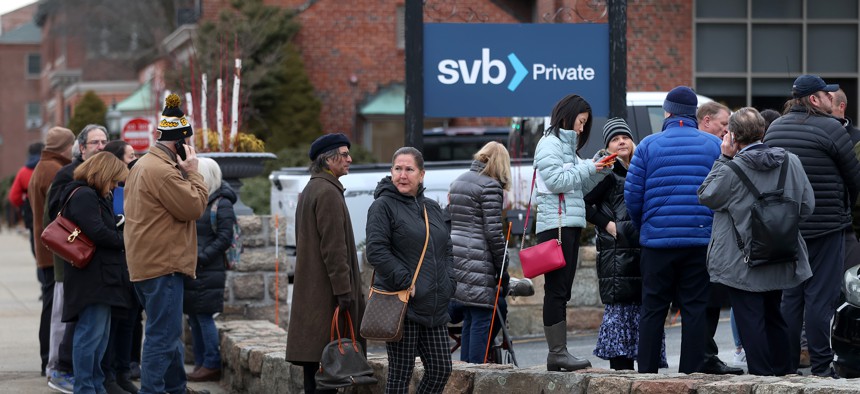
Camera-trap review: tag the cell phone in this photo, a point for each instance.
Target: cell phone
(607, 159)
(180, 149)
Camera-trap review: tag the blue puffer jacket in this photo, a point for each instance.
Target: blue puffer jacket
(662, 181)
(551, 155)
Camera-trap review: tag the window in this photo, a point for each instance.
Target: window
(34, 64)
(748, 52)
(34, 115)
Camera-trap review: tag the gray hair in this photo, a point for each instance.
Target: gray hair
(747, 125)
(408, 150)
(321, 162)
(82, 137)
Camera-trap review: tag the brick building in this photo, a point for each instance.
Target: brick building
(20, 108)
(740, 52)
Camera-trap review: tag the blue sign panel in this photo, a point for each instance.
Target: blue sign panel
(504, 70)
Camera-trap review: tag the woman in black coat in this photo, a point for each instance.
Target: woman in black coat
(396, 232)
(618, 274)
(93, 292)
(204, 295)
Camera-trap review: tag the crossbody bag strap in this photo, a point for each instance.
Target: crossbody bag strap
(60, 213)
(426, 241)
(746, 181)
(529, 210)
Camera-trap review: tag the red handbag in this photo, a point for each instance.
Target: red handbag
(65, 239)
(545, 256)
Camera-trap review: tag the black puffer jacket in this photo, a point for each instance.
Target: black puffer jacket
(105, 279)
(825, 149)
(475, 204)
(395, 239)
(205, 294)
(618, 274)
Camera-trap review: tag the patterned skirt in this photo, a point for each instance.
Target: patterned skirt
(619, 334)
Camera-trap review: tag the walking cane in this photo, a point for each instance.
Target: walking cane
(498, 289)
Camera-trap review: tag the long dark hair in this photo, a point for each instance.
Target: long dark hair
(564, 116)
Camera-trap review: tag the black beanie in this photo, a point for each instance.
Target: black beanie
(173, 124)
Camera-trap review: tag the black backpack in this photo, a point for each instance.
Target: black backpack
(774, 222)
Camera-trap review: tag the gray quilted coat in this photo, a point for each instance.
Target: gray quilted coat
(475, 204)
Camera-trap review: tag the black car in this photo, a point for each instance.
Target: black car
(845, 332)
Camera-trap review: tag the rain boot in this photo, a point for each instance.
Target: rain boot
(558, 357)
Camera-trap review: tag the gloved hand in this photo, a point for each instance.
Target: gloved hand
(344, 301)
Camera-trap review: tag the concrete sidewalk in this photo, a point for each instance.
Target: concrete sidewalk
(19, 320)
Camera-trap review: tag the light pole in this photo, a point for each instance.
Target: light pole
(113, 121)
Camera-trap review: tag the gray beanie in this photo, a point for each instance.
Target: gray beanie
(613, 127)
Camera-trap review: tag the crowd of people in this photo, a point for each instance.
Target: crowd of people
(674, 223)
(160, 225)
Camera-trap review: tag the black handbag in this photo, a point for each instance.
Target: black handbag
(343, 363)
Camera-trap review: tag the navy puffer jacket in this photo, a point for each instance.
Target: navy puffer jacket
(825, 149)
(395, 239)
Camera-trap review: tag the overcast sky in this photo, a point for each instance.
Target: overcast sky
(11, 5)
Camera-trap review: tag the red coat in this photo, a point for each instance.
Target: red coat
(19, 186)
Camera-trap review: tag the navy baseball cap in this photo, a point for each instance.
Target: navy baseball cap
(807, 84)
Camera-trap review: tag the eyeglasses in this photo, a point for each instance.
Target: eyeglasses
(343, 154)
(97, 142)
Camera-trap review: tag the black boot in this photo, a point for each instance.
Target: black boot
(558, 357)
(621, 363)
(124, 381)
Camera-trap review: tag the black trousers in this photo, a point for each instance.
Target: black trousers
(310, 369)
(558, 284)
(719, 293)
(762, 330)
(46, 279)
(673, 274)
(818, 295)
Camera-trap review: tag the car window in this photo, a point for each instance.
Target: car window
(656, 116)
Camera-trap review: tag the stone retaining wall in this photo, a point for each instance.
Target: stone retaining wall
(253, 362)
(251, 292)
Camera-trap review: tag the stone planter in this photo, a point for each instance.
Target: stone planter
(238, 165)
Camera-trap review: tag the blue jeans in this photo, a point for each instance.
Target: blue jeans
(735, 334)
(204, 341)
(161, 365)
(476, 330)
(90, 342)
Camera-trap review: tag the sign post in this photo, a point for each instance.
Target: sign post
(138, 133)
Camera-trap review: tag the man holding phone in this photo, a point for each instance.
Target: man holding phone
(164, 196)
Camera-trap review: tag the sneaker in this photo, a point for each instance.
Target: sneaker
(62, 382)
(740, 359)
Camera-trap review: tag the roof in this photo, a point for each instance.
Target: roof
(390, 100)
(27, 33)
(139, 100)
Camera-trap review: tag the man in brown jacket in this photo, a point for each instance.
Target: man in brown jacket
(164, 196)
(57, 153)
(326, 274)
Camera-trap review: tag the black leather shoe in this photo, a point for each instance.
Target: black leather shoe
(715, 366)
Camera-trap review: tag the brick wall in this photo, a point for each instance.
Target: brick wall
(659, 44)
(13, 19)
(17, 90)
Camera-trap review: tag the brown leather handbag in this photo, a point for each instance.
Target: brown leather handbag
(65, 239)
(386, 310)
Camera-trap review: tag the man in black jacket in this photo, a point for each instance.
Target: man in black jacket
(820, 141)
(852, 246)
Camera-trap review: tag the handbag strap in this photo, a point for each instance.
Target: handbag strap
(420, 260)
(335, 328)
(529, 210)
(60, 213)
(426, 241)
